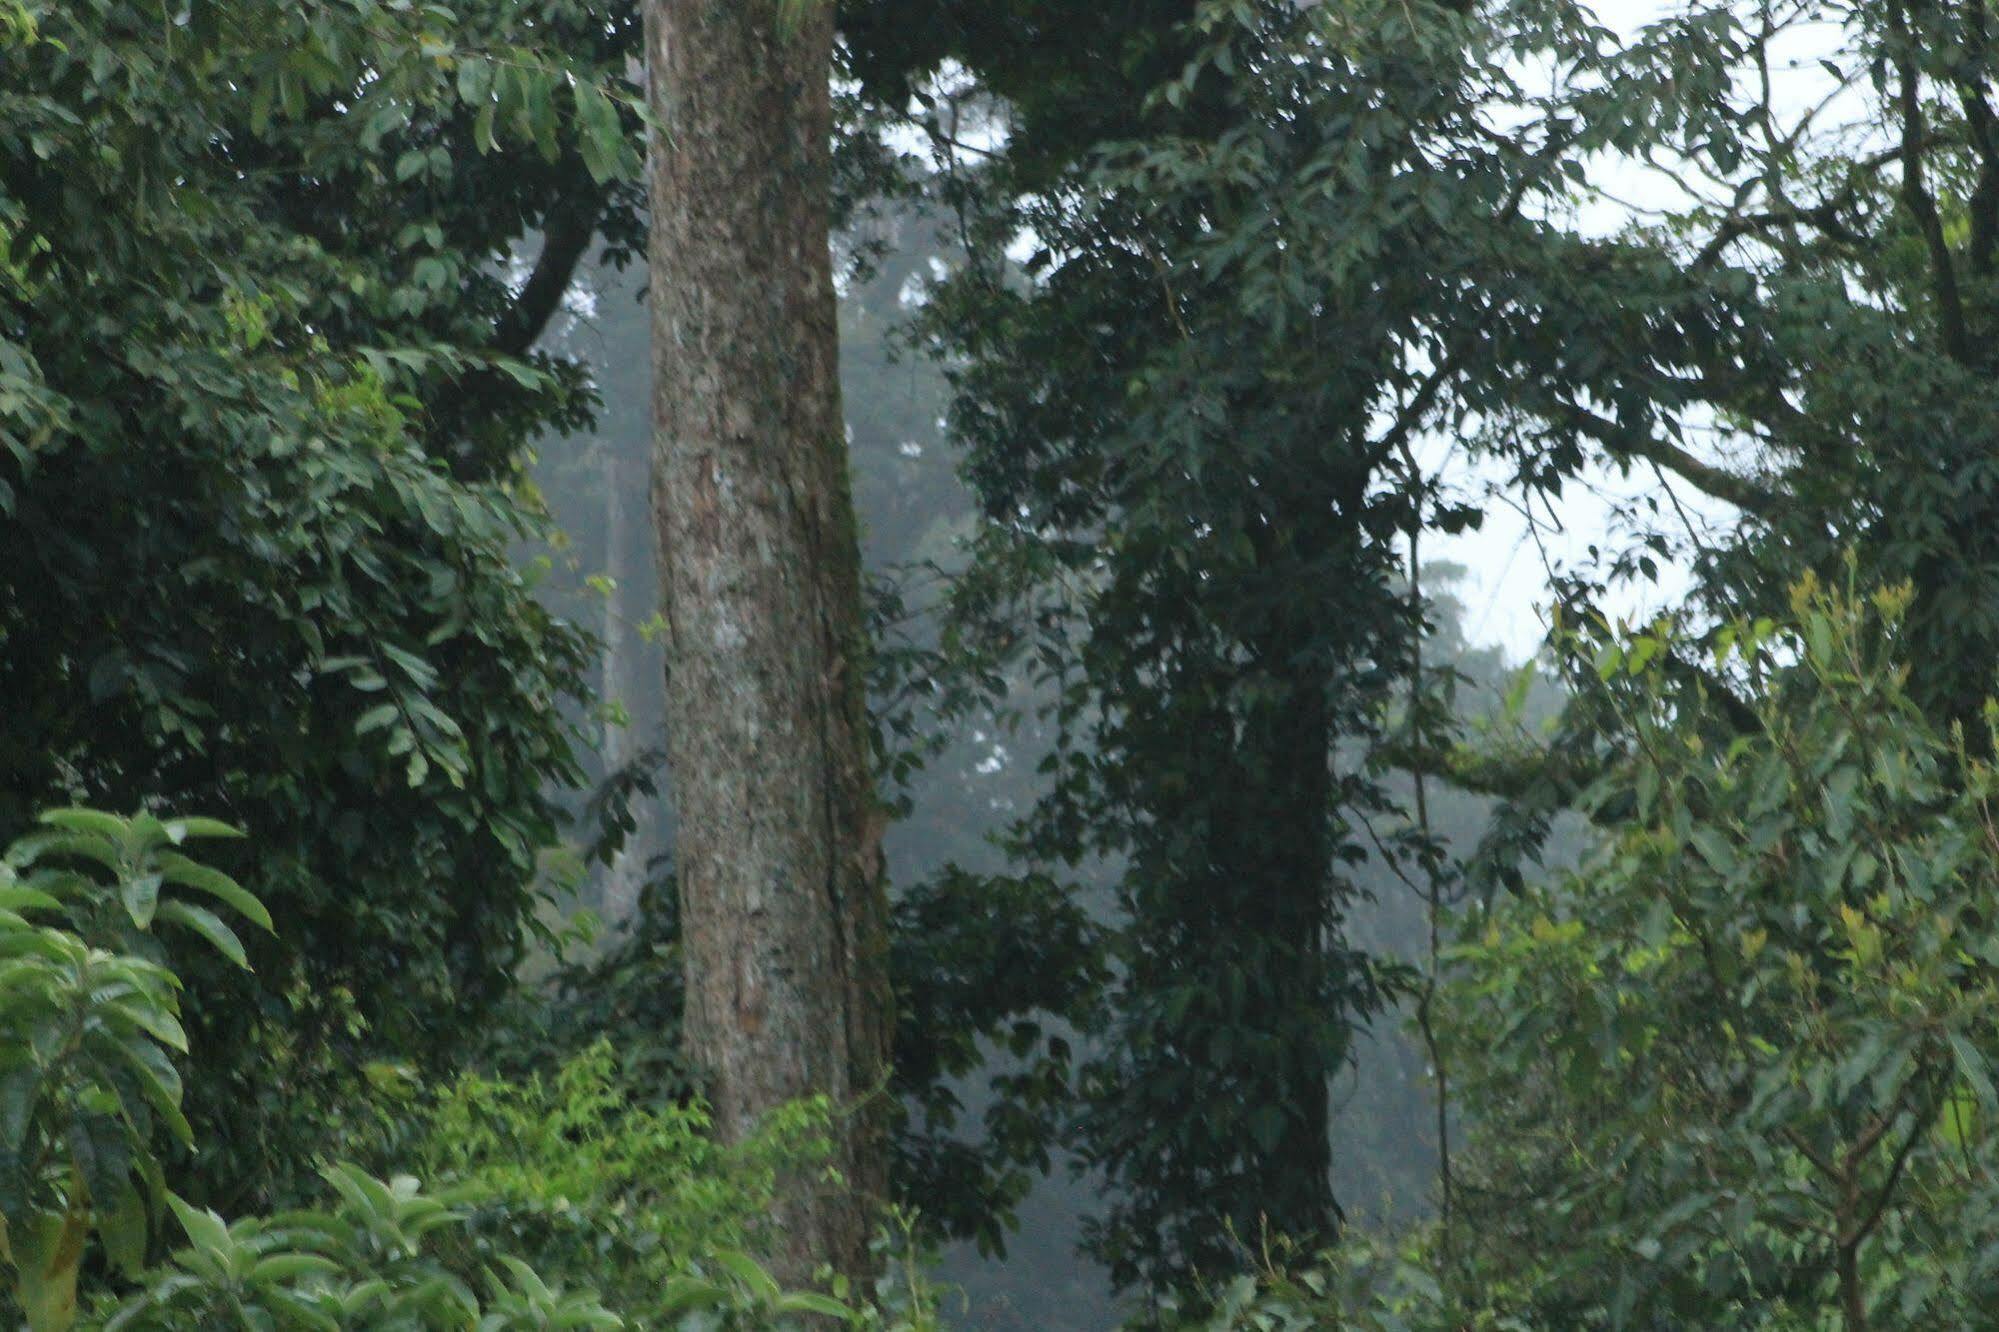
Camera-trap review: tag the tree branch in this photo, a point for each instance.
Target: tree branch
(1919, 1130)
(1505, 774)
(1984, 125)
(1704, 477)
(1916, 195)
(566, 235)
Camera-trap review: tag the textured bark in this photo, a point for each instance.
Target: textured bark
(779, 833)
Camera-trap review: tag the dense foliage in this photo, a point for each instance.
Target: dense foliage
(1738, 1070)
(264, 394)
(1284, 254)
(567, 1173)
(89, 1031)
(1189, 294)
(1839, 222)
(1783, 967)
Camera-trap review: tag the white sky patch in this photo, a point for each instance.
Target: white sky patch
(1508, 561)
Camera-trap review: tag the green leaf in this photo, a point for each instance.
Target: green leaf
(193, 825)
(749, 1273)
(205, 1230)
(19, 898)
(602, 135)
(209, 926)
(683, 1294)
(203, 879)
(160, 1083)
(141, 895)
(19, 1089)
(1715, 850)
(97, 822)
(291, 1266)
(122, 1229)
(1973, 1067)
(154, 1018)
(806, 1302)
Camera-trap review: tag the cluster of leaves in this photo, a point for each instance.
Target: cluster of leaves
(1865, 376)
(1825, 286)
(980, 964)
(265, 390)
(89, 1031)
(626, 994)
(585, 1173)
(369, 1261)
(90, 1022)
(1330, 236)
(1364, 1286)
(987, 969)
(1738, 1071)
(1277, 241)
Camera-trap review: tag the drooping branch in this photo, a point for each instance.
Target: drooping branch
(566, 236)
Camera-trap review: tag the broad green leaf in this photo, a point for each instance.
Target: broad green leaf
(205, 1230)
(746, 1270)
(187, 826)
(141, 895)
(1975, 1069)
(159, 1081)
(178, 869)
(122, 1228)
(96, 822)
(375, 718)
(290, 1266)
(209, 926)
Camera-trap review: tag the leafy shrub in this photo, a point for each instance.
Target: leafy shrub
(577, 1173)
(1739, 1072)
(1364, 1286)
(372, 1261)
(572, 1172)
(90, 1020)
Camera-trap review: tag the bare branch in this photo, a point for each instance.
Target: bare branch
(1705, 477)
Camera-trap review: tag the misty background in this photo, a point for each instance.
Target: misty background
(914, 512)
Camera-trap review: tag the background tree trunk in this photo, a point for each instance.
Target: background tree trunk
(626, 873)
(779, 856)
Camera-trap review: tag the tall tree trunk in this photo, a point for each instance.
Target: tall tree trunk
(1282, 855)
(625, 873)
(779, 856)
